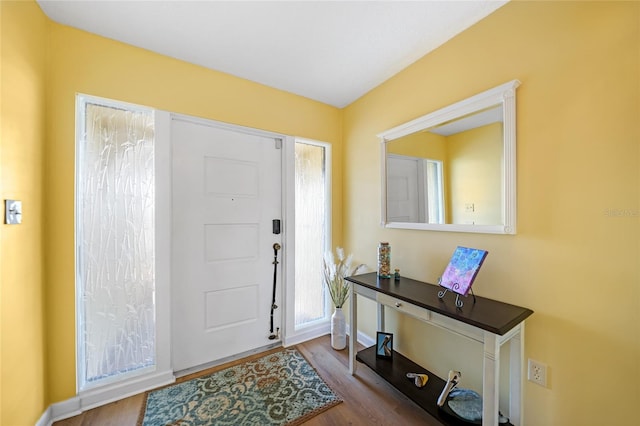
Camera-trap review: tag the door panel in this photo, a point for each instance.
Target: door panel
(403, 190)
(226, 191)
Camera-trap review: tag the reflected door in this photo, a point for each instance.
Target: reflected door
(226, 192)
(405, 189)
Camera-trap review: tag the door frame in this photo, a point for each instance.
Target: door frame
(294, 336)
(163, 373)
(287, 209)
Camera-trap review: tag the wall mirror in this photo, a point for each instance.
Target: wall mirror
(454, 169)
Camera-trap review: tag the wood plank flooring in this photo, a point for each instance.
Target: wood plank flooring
(368, 399)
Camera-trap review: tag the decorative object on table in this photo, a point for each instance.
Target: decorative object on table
(461, 272)
(419, 379)
(396, 274)
(384, 345)
(466, 405)
(334, 274)
(281, 388)
(452, 382)
(384, 260)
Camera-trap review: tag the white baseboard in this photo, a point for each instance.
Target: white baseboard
(60, 411)
(306, 335)
(46, 418)
(365, 340)
(104, 395)
(362, 338)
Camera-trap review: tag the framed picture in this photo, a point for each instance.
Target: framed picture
(462, 269)
(384, 345)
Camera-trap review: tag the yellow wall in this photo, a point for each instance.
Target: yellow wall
(93, 65)
(44, 65)
(22, 138)
(575, 260)
(474, 164)
(422, 145)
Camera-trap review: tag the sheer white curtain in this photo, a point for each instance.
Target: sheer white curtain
(115, 195)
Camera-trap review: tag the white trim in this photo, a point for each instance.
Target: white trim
(503, 95)
(364, 339)
(162, 162)
(60, 411)
(313, 333)
(227, 126)
(287, 211)
(304, 334)
(470, 105)
(163, 239)
(45, 418)
(292, 335)
(105, 395)
(289, 229)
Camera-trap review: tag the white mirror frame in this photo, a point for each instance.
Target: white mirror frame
(505, 95)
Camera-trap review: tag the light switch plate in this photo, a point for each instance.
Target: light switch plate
(12, 212)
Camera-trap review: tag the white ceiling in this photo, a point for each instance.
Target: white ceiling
(330, 51)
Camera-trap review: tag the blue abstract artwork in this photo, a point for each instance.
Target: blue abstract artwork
(462, 269)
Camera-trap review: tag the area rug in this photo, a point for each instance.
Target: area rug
(278, 389)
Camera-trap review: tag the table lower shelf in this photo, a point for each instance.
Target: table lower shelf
(394, 371)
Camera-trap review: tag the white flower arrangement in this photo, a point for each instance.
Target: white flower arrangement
(334, 274)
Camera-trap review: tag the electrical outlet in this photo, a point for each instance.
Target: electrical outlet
(12, 212)
(537, 372)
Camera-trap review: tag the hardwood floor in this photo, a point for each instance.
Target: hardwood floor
(367, 398)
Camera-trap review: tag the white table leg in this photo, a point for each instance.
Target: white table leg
(381, 322)
(353, 330)
(491, 380)
(516, 363)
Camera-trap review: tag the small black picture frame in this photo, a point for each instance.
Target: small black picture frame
(384, 345)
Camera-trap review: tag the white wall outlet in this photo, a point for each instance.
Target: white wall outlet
(12, 212)
(537, 372)
(469, 207)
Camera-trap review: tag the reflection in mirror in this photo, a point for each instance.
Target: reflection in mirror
(454, 169)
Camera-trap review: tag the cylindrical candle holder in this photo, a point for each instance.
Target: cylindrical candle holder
(384, 260)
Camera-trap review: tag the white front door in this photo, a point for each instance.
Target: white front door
(404, 189)
(226, 193)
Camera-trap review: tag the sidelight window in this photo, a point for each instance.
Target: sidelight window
(115, 240)
(312, 231)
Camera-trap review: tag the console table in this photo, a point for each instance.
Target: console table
(486, 321)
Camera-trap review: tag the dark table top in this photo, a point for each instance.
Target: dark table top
(487, 314)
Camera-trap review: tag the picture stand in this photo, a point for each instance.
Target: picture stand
(459, 302)
(461, 272)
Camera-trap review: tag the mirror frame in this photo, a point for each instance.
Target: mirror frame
(504, 95)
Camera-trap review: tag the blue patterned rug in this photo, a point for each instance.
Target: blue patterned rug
(278, 389)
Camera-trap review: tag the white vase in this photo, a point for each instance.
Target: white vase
(338, 330)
